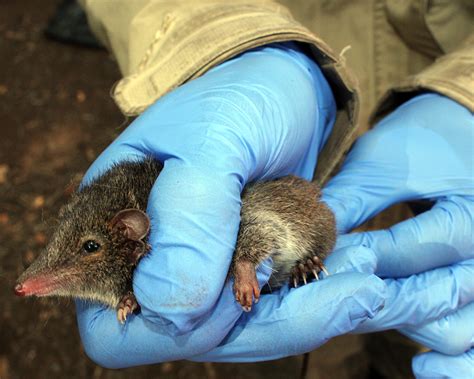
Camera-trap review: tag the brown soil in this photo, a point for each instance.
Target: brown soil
(57, 117)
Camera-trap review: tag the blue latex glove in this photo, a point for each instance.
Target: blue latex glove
(264, 114)
(423, 150)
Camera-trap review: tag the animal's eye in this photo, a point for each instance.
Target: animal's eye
(90, 246)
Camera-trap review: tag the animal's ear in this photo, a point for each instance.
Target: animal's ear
(133, 223)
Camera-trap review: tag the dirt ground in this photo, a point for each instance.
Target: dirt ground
(57, 116)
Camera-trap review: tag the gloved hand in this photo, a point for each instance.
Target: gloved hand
(423, 150)
(264, 114)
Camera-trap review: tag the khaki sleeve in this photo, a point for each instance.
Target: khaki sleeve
(443, 31)
(160, 45)
(451, 75)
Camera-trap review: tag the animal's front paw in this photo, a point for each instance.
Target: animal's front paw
(311, 268)
(127, 305)
(245, 284)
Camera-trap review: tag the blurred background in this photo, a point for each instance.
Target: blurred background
(56, 117)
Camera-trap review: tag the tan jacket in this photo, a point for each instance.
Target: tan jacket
(395, 48)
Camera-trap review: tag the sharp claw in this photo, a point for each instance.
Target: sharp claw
(304, 278)
(324, 270)
(120, 316)
(295, 283)
(315, 274)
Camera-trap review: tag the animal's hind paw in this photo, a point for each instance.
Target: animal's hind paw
(308, 270)
(246, 289)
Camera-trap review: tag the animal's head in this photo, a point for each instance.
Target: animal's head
(91, 255)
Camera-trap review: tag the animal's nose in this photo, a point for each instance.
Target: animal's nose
(19, 290)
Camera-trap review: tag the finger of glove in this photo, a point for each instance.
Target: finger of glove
(358, 258)
(290, 322)
(452, 334)
(139, 341)
(436, 365)
(425, 160)
(424, 297)
(195, 215)
(438, 237)
(290, 108)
